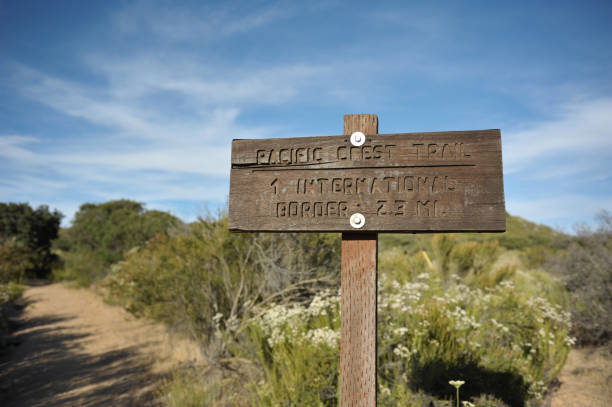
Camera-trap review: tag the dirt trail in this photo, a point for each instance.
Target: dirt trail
(586, 379)
(72, 349)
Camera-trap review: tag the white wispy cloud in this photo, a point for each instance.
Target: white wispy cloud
(206, 23)
(14, 147)
(582, 129)
(155, 137)
(205, 83)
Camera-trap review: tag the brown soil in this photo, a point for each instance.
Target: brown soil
(69, 348)
(586, 379)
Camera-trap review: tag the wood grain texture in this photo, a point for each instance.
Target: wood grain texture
(409, 182)
(358, 303)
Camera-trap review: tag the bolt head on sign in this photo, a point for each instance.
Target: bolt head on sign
(410, 182)
(357, 220)
(357, 138)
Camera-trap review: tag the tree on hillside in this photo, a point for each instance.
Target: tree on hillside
(102, 233)
(25, 236)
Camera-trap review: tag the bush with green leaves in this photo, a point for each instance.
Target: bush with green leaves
(206, 281)
(100, 235)
(298, 348)
(15, 261)
(26, 235)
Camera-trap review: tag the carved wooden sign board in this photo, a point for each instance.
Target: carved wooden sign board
(411, 182)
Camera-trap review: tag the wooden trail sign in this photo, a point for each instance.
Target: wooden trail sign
(414, 182)
(359, 184)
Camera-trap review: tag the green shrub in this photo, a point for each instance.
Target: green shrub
(497, 340)
(184, 390)
(100, 235)
(190, 387)
(502, 340)
(15, 261)
(298, 348)
(10, 292)
(26, 234)
(536, 256)
(80, 268)
(206, 281)
(186, 280)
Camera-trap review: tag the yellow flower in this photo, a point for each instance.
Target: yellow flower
(456, 383)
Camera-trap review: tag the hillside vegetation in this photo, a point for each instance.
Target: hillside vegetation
(101, 234)
(25, 241)
(498, 311)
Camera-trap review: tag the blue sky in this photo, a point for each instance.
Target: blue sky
(140, 100)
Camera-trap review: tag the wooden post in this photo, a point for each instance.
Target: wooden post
(358, 301)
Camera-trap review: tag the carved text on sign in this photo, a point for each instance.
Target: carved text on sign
(449, 181)
(347, 152)
(371, 185)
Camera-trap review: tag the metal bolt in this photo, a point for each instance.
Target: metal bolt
(357, 138)
(357, 220)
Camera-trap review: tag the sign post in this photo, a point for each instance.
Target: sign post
(358, 301)
(360, 184)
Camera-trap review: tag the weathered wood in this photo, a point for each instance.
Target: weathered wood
(358, 303)
(411, 182)
(404, 150)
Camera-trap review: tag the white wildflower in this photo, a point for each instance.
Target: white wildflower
(401, 331)
(402, 351)
(323, 336)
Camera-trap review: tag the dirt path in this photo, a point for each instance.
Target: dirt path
(71, 349)
(586, 379)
